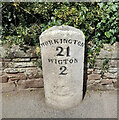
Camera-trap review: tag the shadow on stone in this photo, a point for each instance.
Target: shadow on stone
(85, 71)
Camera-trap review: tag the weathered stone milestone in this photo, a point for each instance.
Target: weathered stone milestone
(62, 51)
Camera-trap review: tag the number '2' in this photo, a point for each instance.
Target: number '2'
(63, 70)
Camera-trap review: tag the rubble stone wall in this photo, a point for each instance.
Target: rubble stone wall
(19, 69)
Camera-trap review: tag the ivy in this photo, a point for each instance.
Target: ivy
(105, 66)
(23, 22)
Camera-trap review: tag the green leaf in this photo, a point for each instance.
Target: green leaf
(98, 25)
(100, 5)
(107, 34)
(113, 40)
(103, 21)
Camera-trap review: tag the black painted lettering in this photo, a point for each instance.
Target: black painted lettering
(75, 41)
(46, 43)
(60, 61)
(50, 42)
(60, 49)
(65, 61)
(42, 44)
(79, 43)
(50, 60)
(55, 61)
(61, 41)
(82, 44)
(65, 41)
(68, 51)
(71, 60)
(63, 70)
(75, 60)
(70, 41)
(56, 41)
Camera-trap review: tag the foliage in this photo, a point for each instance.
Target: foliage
(105, 66)
(24, 22)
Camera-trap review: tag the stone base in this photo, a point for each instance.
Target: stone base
(63, 102)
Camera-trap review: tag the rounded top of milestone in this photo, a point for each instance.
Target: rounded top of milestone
(62, 28)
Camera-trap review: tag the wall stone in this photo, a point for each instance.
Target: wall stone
(33, 73)
(32, 83)
(109, 51)
(4, 79)
(94, 77)
(18, 70)
(110, 75)
(112, 63)
(18, 76)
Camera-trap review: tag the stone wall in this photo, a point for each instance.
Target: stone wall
(109, 80)
(19, 69)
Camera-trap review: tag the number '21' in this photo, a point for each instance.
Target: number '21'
(60, 53)
(60, 49)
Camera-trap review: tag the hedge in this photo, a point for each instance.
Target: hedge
(23, 22)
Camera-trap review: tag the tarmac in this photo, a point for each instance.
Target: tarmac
(31, 104)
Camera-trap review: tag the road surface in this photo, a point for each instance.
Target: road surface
(31, 104)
